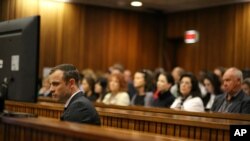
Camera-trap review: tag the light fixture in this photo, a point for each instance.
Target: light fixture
(63, 0)
(136, 3)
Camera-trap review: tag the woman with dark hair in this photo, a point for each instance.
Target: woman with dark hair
(163, 97)
(143, 84)
(212, 85)
(101, 88)
(88, 85)
(189, 98)
(246, 86)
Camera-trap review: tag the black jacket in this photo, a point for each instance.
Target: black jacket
(81, 110)
(240, 103)
(164, 100)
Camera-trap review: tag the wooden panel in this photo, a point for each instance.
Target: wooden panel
(104, 121)
(206, 134)
(154, 111)
(184, 131)
(220, 135)
(163, 129)
(137, 125)
(125, 123)
(75, 33)
(162, 123)
(40, 129)
(198, 133)
(158, 128)
(152, 127)
(242, 34)
(192, 132)
(224, 33)
(131, 124)
(114, 122)
(170, 129)
(226, 135)
(121, 36)
(214, 135)
(177, 130)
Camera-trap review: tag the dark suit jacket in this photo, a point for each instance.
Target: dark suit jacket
(240, 103)
(164, 100)
(81, 110)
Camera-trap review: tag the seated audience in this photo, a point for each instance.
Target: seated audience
(116, 68)
(200, 77)
(101, 88)
(219, 71)
(143, 85)
(117, 87)
(234, 100)
(44, 90)
(64, 85)
(246, 86)
(212, 84)
(163, 96)
(190, 95)
(88, 85)
(88, 73)
(129, 81)
(176, 73)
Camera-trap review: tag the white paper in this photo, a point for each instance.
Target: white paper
(1, 63)
(15, 63)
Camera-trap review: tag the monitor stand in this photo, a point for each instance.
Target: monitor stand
(5, 113)
(17, 114)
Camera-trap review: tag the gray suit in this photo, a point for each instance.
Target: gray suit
(238, 104)
(81, 110)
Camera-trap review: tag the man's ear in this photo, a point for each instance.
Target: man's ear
(72, 82)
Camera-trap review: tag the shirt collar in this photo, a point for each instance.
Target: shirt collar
(234, 96)
(68, 101)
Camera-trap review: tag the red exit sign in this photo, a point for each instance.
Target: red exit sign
(191, 36)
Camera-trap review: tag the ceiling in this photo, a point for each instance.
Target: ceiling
(166, 6)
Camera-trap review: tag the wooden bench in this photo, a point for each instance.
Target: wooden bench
(243, 117)
(193, 127)
(49, 129)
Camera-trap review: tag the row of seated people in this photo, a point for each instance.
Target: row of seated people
(185, 94)
(64, 85)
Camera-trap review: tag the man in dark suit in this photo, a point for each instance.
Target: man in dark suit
(234, 100)
(64, 85)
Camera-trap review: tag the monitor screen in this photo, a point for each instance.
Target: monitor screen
(19, 58)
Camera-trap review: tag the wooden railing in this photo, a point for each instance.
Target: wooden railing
(188, 126)
(49, 129)
(243, 117)
(230, 116)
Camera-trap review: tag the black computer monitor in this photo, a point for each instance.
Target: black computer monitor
(19, 59)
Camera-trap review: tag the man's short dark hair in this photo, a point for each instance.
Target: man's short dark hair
(69, 72)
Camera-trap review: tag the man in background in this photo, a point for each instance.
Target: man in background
(234, 100)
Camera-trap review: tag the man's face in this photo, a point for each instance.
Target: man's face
(58, 87)
(230, 83)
